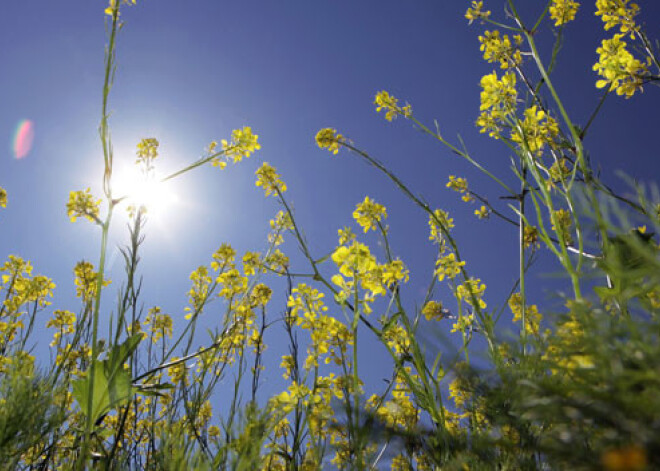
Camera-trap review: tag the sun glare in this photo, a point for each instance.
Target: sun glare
(140, 190)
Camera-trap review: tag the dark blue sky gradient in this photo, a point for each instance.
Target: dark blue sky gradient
(191, 71)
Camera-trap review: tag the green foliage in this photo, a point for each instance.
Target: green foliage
(29, 412)
(112, 383)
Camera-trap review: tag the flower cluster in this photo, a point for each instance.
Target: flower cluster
(472, 290)
(329, 336)
(269, 180)
(533, 317)
(64, 322)
(498, 101)
(328, 138)
(160, 325)
(21, 288)
(536, 130)
(147, 150)
(482, 212)
(433, 311)
(243, 143)
(86, 279)
(619, 13)
(619, 69)
(563, 11)
(439, 223)
(530, 236)
(358, 267)
(83, 204)
(448, 266)
(499, 48)
(281, 223)
(388, 103)
(368, 214)
(476, 11)
(460, 185)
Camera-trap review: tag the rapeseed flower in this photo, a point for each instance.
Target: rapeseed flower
(563, 11)
(619, 69)
(369, 213)
(328, 138)
(388, 103)
(269, 180)
(83, 204)
(619, 13)
(476, 11)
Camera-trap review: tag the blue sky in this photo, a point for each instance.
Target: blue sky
(190, 72)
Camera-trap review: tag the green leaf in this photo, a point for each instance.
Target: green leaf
(112, 381)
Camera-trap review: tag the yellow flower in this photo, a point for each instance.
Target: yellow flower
(433, 311)
(448, 266)
(223, 257)
(482, 213)
(261, 294)
(530, 236)
(385, 101)
(232, 283)
(498, 48)
(619, 69)
(533, 317)
(64, 322)
(85, 281)
(243, 143)
(251, 262)
(618, 13)
(269, 180)
(498, 101)
(439, 222)
(3, 198)
(83, 204)
(369, 213)
(160, 324)
(536, 130)
(330, 139)
(472, 290)
(113, 3)
(563, 11)
(147, 150)
(476, 12)
(346, 236)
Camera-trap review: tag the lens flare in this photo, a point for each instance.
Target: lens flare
(23, 138)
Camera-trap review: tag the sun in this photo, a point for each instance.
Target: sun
(144, 190)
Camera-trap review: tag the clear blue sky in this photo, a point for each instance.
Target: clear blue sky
(191, 71)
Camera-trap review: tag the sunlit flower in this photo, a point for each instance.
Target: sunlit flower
(242, 144)
(83, 204)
